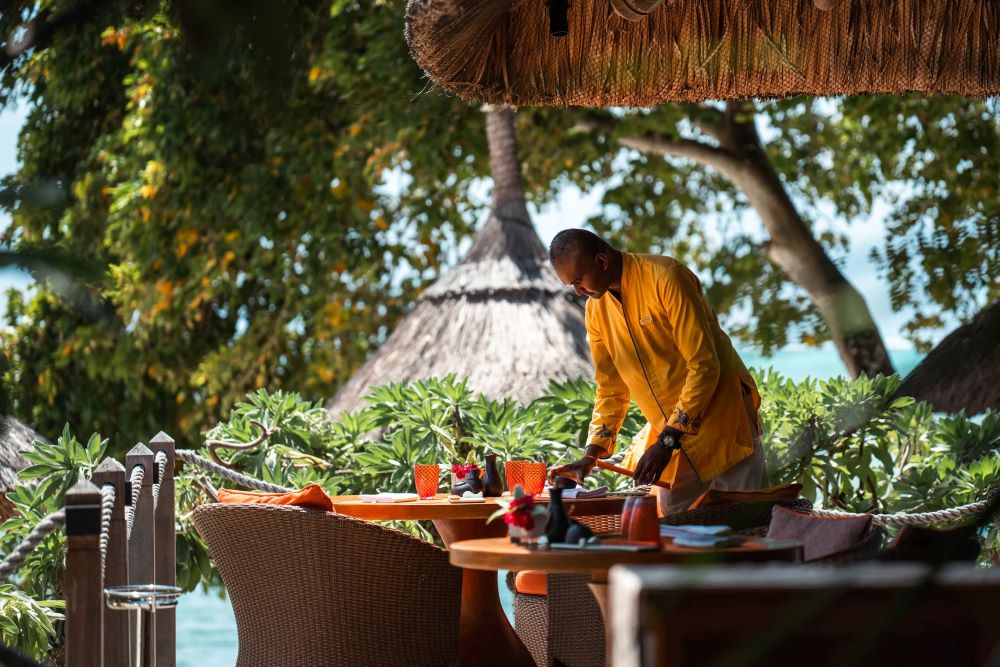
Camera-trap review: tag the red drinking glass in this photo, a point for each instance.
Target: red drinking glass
(513, 473)
(627, 508)
(426, 477)
(533, 481)
(644, 525)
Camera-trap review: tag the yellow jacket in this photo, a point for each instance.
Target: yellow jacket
(662, 346)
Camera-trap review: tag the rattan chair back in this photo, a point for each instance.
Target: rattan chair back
(316, 588)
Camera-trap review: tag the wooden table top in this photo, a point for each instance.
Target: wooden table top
(440, 508)
(499, 553)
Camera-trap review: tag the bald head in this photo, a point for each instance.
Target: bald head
(582, 260)
(570, 244)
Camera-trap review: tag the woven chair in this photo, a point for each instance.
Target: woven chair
(554, 626)
(312, 588)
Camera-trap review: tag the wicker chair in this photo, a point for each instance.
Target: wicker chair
(315, 588)
(552, 625)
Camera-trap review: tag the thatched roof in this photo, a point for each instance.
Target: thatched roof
(500, 317)
(15, 437)
(963, 371)
(502, 52)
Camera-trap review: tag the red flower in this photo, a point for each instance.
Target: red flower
(519, 518)
(525, 502)
(463, 469)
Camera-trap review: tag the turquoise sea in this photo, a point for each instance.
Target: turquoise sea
(206, 627)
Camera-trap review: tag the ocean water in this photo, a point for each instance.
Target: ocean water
(206, 627)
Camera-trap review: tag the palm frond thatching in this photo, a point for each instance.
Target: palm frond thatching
(501, 51)
(500, 318)
(15, 437)
(963, 371)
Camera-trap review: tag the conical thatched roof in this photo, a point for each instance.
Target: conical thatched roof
(502, 52)
(963, 371)
(500, 317)
(15, 437)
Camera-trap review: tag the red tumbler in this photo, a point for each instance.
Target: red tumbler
(644, 524)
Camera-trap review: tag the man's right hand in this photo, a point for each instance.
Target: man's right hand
(577, 470)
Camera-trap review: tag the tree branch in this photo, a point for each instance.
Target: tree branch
(654, 142)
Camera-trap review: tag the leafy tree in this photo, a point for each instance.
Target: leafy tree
(795, 165)
(227, 168)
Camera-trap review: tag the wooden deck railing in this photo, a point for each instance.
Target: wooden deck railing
(97, 636)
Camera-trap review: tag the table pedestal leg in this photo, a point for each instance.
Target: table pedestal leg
(485, 635)
(599, 587)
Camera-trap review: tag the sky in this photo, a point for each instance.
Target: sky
(570, 210)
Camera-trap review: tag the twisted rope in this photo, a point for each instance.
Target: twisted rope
(138, 472)
(41, 530)
(107, 504)
(916, 518)
(192, 457)
(161, 469)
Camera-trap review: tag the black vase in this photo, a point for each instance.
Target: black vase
(492, 486)
(555, 529)
(471, 483)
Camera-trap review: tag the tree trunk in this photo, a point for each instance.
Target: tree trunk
(508, 191)
(740, 156)
(793, 248)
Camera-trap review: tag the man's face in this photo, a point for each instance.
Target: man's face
(585, 274)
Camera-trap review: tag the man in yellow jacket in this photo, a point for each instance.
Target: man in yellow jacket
(655, 338)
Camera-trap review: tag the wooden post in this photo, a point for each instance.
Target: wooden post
(165, 539)
(116, 634)
(140, 541)
(84, 593)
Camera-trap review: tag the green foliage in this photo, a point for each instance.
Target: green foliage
(27, 625)
(236, 185)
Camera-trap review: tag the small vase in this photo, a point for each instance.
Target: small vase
(519, 535)
(492, 486)
(558, 521)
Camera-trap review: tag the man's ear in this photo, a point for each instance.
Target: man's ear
(602, 260)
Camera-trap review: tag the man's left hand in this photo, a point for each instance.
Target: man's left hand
(655, 459)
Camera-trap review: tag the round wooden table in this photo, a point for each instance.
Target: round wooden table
(499, 553)
(482, 622)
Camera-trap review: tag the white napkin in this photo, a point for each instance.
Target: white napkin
(578, 492)
(387, 497)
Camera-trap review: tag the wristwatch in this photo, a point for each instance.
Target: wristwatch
(669, 442)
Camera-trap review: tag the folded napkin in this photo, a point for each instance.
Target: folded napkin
(667, 530)
(705, 537)
(578, 492)
(386, 497)
(468, 497)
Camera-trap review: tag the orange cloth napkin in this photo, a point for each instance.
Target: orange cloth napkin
(312, 496)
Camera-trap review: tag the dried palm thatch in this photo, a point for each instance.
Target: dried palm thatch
(15, 437)
(501, 51)
(500, 317)
(963, 371)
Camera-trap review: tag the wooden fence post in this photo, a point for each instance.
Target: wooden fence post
(140, 540)
(165, 544)
(116, 634)
(84, 593)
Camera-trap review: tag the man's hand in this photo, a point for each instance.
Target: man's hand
(655, 459)
(577, 470)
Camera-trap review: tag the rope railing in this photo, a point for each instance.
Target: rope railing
(107, 505)
(135, 480)
(946, 515)
(161, 467)
(42, 529)
(192, 457)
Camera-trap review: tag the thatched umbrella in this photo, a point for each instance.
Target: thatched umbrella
(500, 317)
(15, 437)
(963, 371)
(646, 52)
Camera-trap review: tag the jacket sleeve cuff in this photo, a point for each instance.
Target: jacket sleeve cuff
(603, 437)
(683, 422)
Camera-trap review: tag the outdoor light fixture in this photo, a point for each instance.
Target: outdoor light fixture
(634, 10)
(558, 18)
